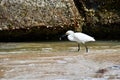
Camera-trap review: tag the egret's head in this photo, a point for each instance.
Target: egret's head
(69, 32)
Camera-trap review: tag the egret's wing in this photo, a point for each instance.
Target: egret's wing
(81, 37)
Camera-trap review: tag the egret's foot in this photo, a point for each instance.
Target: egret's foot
(86, 48)
(78, 47)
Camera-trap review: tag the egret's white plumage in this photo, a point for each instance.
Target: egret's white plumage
(79, 38)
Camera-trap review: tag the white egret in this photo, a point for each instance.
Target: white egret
(79, 38)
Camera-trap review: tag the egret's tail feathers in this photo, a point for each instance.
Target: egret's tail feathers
(92, 39)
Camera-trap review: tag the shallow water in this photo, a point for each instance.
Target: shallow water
(66, 46)
(45, 61)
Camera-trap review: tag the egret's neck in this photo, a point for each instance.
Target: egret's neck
(72, 34)
(71, 37)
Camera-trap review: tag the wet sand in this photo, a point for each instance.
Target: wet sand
(98, 64)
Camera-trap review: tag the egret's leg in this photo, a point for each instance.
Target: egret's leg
(86, 48)
(78, 47)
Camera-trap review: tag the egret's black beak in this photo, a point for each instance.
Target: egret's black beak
(63, 36)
